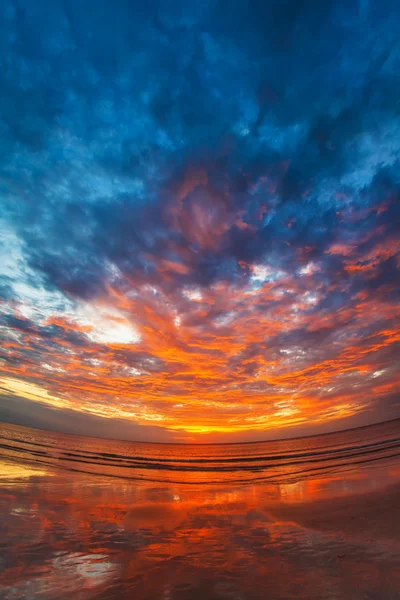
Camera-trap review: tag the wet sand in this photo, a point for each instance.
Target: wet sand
(67, 535)
(375, 514)
(309, 519)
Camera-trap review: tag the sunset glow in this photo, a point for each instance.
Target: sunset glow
(200, 242)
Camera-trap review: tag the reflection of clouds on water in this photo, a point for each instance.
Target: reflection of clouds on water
(92, 569)
(63, 577)
(70, 536)
(162, 515)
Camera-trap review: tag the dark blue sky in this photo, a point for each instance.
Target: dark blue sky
(200, 216)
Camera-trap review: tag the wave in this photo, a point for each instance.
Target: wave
(274, 461)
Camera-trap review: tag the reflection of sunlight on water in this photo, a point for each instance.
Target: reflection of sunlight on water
(19, 471)
(225, 497)
(291, 492)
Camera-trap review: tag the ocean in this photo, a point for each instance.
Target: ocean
(274, 461)
(314, 518)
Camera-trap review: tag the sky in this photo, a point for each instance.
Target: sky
(199, 217)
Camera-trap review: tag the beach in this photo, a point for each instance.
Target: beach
(200, 300)
(331, 535)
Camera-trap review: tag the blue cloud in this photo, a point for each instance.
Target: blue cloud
(180, 144)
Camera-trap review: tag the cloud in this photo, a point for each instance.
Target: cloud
(202, 221)
(32, 414)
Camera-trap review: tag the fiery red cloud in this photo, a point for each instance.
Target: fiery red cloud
(257, 353)
(199, 223)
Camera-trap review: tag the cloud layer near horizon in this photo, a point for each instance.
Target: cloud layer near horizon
(200, 212)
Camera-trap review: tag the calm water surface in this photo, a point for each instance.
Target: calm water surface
(313, 518)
